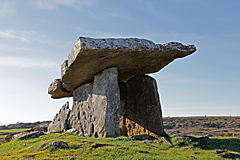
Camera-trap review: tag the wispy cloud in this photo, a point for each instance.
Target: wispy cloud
(22, 63)
(24, 35)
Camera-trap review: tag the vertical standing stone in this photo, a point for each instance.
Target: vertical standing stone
(81, 117)
(144, 115)
(106, 102)
(123, 110)
(60, 120)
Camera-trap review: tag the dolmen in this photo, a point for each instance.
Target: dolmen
(112, 95)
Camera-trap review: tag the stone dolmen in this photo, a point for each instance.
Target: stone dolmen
(112, 95)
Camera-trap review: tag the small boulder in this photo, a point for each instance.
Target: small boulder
(59, 144)
(8, 138)
(25, 135)
(38, 128)
(165, 140)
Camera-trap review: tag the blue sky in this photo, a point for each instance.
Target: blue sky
(37, 36)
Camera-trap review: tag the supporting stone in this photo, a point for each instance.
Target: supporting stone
(96, 107)
(106, 102)
(123, 111)
(81, 117)
(60, 120)
(143, 114)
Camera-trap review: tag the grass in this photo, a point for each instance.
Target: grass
(5, 132)
(2, 136)
(13, 130)
(78, 147)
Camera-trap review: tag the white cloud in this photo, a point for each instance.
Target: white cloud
(24, 36)
(6, 9)
(21, 63)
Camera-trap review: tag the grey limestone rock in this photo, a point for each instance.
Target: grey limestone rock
(81, 117)
(143, 112)
(131, 56)
(112, 96)
(56, 89)
(61, 119)
(24, 135)
(96, 107)
(106, 102)
(123, 110)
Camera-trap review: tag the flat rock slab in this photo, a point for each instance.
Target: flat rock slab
(24, 135)
(131, 56)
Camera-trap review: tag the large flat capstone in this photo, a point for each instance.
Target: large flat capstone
(131, 56)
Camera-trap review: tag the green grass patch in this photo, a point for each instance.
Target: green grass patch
(78, 147)
(13, 130)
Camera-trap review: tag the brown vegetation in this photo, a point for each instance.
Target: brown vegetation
(218, 126)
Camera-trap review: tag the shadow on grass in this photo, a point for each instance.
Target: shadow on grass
(231, 144)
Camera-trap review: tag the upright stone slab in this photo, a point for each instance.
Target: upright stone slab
(123, 110)
(143, 115)
(60, 120)
(81, 117)
(106, 102)
(96, 107)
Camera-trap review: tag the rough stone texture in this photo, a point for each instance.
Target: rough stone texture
(96, 107)
(123, 110)
(24, 135)
(61, 119)
(64, 67)
(131, 56)
(144, 115)
(81, 116)
(106, 103)
(56, 89)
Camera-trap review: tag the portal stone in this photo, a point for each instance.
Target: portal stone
(96, 107)
(106, 102)
(123, 110)
(143, 114)
(60, 121)
(81, 117)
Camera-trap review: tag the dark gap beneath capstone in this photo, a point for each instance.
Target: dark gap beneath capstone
(92, 129)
